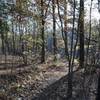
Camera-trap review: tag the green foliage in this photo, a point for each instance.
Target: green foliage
(4, 8)
(3, 26)
(30, 40)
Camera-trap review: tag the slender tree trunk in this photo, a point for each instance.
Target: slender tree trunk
(3, 44)
(54, 30)
(99, 36)
(72, 56)
(42, 34)
(81, 33)
(13, 38)
(89, 34)
(65, 30)
(99, 6)
(70, 73)
(98, 88)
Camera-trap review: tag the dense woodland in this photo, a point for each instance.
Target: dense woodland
(49, 50)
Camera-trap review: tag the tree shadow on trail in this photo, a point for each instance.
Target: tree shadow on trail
(58, 90)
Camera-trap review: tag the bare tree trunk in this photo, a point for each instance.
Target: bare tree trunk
(65, 30)
(2, 38)
(98, 88)
(42, 34)
(13, 37)
(81, 33)
(89, 34)
(3, 44)
(72, 56)
(54, 30)
(99, 36)
(70, 73)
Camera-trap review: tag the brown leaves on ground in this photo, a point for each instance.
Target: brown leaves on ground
(25, 84)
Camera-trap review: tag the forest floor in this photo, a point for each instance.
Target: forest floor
(19, 81)
(83, 88)
(28, 82)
